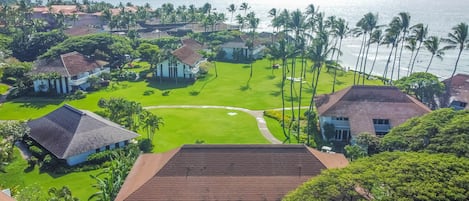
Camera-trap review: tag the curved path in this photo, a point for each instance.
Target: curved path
(258, 114)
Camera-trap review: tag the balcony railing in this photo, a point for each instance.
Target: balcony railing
(382, 127)
(83, 80)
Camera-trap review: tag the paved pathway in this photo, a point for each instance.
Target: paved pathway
(258, 114)
(25, 153)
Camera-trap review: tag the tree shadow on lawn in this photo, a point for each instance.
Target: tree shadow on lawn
(167, 84)
(38, 103)
(247, 86)
(197, 92)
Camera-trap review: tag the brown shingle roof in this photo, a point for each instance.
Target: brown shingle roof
(225, 172)
(5, 197)
(67, 131)
(187, 55)
(70, 64)
(458, 90)
(193, 44)
(362, 104)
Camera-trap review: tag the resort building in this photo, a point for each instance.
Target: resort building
(182, 64)
(238, 50)
(225, 172)
(72, 135)
(372, 109)
(67, 73)
(457, 92)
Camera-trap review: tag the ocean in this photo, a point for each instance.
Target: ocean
(440, 16)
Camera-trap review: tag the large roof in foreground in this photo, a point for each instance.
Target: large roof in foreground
(67, 132)
(458, 89)
(361, 104)
(225, 172)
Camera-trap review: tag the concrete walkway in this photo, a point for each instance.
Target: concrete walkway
(257, 114)
(25, 153)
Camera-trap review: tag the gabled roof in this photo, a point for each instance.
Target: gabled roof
(68, 65)
(225, 172)
(459, 89)
(187, 55)
(193, 44)
(361, 104)
(67, 131)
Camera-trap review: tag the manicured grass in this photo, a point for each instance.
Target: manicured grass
(232, 87)
(213, 126)
(3, 88)
(17, 176)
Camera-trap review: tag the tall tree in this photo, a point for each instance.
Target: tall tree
(231, 9)
(432, 44)
(458, 39)
(411, 46)
(253, 24)
(378, 38)
(245, 7)
(404, 27)
(340, 30)
(419, 31)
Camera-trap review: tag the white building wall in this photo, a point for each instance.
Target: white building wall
(80, 158)
(40, 85)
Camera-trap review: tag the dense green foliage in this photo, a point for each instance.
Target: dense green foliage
(424, 86)
(102, 46)
(391, 176)
(441, 131)
(28, 47)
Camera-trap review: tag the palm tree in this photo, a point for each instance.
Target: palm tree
(420, 33)
(207, 8)
(390, 38)
(244, 6)
(377, 37)
(311, 12)
(432, 44)
(340, 30)
(241, 21)
(404, 26)
(253, 24)
(411, 46)
(458, 39)
(232, 9)
(368, 23)
(273, 13)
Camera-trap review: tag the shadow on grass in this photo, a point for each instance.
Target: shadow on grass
(247, 86)
(167, 84)
(38, 103)
(275, 93)
(207, 79)
(246, 66)
(271, 77)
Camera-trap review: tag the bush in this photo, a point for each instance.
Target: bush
(37, 152)
(105, 76)
(78, 94)
(148, 92)
(277, 115)
(145, 145)
(126, 76)
(100, 157)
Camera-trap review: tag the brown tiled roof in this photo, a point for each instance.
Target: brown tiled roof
(459, 89)
(67, 131)
(70, 64)
(65, 9)
(225, 172)
(186, 55)
(81, 30)
(362, 104)
(193, 44)
(5, 197)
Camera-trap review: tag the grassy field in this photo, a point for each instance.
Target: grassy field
(232, 87)
(213, 126)
(3, 88)
(17, 176)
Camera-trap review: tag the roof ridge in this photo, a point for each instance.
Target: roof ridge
(71, 108)
(63, 63)
(345, 91)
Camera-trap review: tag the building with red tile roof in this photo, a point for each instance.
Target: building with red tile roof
(225, 172)
(183, 63)
(72, 71)
(373, 109)
(457, 92)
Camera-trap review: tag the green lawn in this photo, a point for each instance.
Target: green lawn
(17, 176)
(3, 88)
(213, 126)
(232, 87)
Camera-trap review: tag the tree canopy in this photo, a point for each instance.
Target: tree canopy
(441, 131)
(28, 47)
(391, 176)
(424, 86)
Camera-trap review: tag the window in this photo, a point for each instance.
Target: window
(342, 134)
(117, 145)
(381, 134)
(108, 147)
(341, 118)
(381, 121)
(97, 150)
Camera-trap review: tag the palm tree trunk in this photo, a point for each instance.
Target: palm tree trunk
(456, 65)
(415, 57)
(374, 61)
(385, 74)
(393, 64)
(299, 97)
(292, 76)
(366, 58)
(431, 59)
(363, 58)
(358, 60)
(400, 56)
(410, 61)
(284, 75)
(311, 103)
(336, 63)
